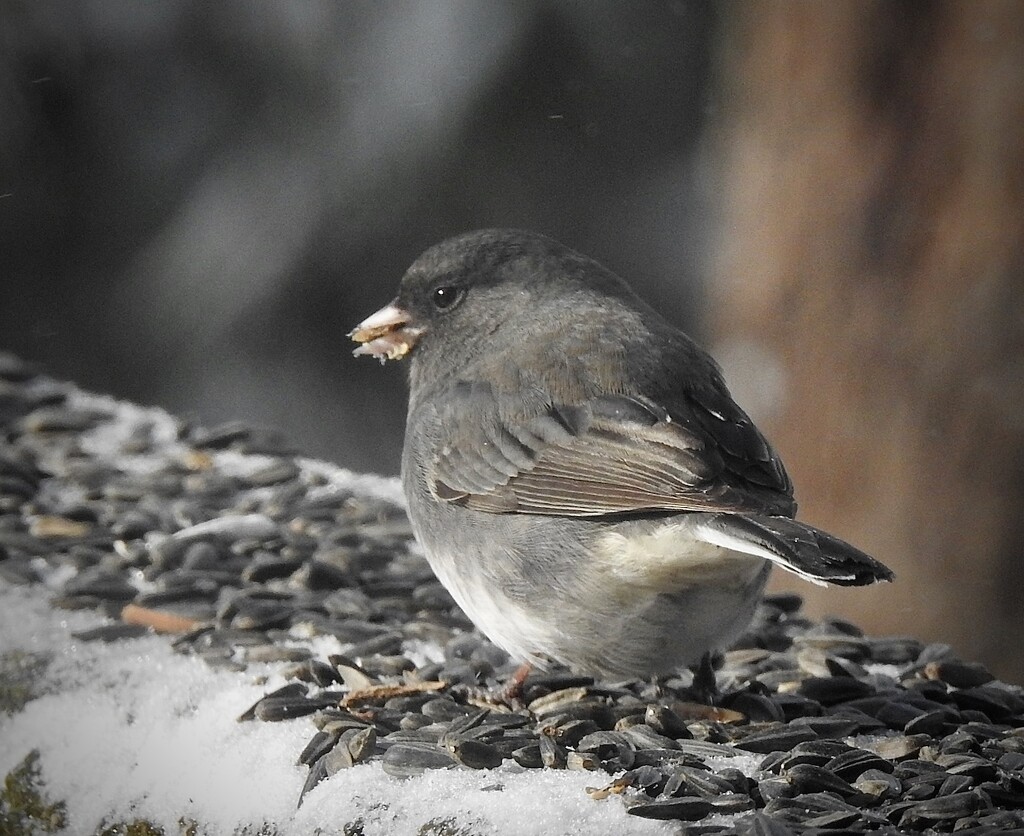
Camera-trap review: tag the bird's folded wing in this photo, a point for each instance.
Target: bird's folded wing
(613, 454)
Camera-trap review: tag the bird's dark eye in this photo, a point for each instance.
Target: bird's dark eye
(445, 296)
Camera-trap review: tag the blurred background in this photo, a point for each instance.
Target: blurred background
(199, 200)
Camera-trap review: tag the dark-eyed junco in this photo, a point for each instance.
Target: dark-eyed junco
(576, 471)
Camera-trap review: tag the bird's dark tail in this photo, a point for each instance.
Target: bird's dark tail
(796, 547)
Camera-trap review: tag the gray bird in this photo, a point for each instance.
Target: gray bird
(576, 470)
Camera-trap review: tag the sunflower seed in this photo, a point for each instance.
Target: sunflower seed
(406, 760)
(671, 809)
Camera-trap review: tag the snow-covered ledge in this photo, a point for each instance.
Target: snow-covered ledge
(199, 628)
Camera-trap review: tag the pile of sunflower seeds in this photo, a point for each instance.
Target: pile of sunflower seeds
(240, 551)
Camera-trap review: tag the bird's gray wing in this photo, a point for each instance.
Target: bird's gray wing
(613, 454)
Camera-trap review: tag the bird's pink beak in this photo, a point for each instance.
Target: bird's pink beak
(387, 334)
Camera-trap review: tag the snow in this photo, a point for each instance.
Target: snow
(131, 730)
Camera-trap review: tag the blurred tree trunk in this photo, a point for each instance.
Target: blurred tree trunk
(868, 298)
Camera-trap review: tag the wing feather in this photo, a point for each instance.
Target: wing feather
(610, 455)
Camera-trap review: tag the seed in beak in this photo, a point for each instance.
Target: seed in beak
(386, 334)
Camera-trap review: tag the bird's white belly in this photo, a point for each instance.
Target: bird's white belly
(649, 601)
(515, 628)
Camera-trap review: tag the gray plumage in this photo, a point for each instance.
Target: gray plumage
(577, 473)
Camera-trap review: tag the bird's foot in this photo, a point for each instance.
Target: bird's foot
(509, 696)
(705, 684)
